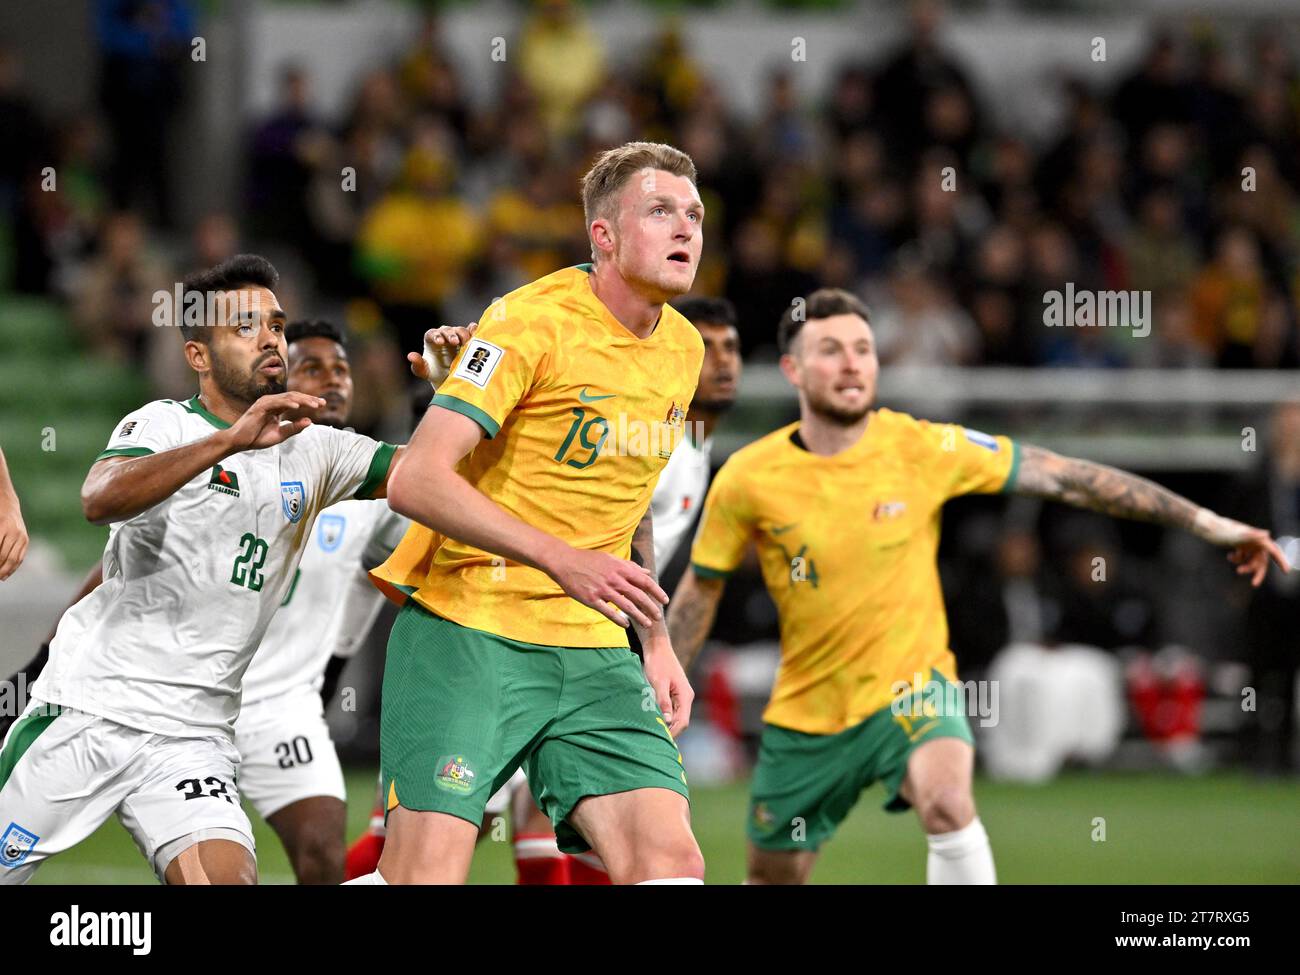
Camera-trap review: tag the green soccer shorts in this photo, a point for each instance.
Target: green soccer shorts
(463, 709)
(804, 785)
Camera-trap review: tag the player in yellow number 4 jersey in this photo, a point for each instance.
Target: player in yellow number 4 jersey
(531, 478)
(844, 509)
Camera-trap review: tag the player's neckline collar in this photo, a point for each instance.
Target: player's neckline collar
(609, 318)
(194, 406)
(861, 444)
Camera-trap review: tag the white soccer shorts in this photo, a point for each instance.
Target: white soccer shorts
(286, 753)
(64, 772)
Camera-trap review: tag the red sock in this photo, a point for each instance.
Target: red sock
(363, 854)
(539, 862)
(585, 869)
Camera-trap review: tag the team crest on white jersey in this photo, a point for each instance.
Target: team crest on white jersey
(293, 499)
(329, 531)
(15, 844)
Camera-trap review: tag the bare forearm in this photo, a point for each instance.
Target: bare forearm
(8, 496)
(643, 554)
(691, 615)
(441, 499)
(1085, 484)
(118, 488)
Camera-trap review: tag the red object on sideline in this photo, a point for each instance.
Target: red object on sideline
(363, 856)
(538, 863)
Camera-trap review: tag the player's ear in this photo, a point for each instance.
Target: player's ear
(789, 368)
(198, 355)
(602, 235)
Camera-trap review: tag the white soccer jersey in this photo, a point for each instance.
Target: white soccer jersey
(331, 602)
(678, 496)
(190, 585)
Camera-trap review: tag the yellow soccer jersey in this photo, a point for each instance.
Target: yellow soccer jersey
(580, 417)
(848, 548)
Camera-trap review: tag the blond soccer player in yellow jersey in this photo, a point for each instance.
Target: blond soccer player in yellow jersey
(844, 509)
(530, 478)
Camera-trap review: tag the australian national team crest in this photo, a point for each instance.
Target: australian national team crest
(454, 774)
(329, 531)
(675, 427)
(293, 499)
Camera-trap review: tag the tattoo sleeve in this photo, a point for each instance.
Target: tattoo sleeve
(691, 613)
(1100, 488)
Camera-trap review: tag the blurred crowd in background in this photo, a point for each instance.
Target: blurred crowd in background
(1141, 188)
(411, 209)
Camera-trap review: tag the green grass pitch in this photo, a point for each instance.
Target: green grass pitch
(1158, 829)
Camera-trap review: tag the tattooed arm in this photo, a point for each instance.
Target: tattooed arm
(1083, 484)
(672, 690)
(691, 614)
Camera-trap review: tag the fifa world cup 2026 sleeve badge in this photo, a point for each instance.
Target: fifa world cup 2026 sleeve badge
(673, 429)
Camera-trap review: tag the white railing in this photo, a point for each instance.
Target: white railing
(1176, 419)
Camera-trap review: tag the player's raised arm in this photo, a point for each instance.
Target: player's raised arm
(120, 487)
(13, 533)
(425, 487)
(1085, 484)
(440, 347)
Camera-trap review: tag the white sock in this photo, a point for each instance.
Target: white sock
(961, 857)
(671, 880)
(367, 880)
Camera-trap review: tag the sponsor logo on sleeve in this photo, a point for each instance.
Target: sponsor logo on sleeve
(982, 440)
(131, 430)
(478, 362)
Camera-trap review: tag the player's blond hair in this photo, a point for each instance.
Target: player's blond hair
(614, 167)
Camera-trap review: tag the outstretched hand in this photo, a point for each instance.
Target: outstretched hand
(1251, 557)
(273, 419)
(13, 538)
(1252, 548)
(440, 347)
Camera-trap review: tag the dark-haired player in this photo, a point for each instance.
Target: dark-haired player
(843, 507)
(685, 480)
(289, 769)
(210, 503)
